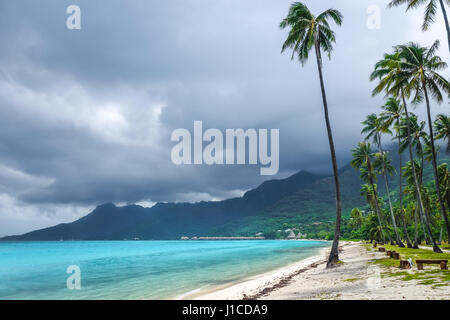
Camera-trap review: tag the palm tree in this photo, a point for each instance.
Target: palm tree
(367, 192)
(430, 12)
(409, 177)
(356, 218)
(384, 165)
(362, 158)
(420, 68)
(411, 190)
(393, 82)
(444, 179)
(373, 126)
(442, 129)
(418, 139)
(308, 31)
(391, 115)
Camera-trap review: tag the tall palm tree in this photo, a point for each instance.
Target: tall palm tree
(442, 129)
(420, 67)
(362, 158)
(393, 82)
(430, 12)
(305, 32)
(391, 115)
(418, 139)
(373, 126)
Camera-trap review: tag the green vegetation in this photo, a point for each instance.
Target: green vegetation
(431, 275)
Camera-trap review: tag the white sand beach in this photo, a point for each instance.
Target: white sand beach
(355, 279)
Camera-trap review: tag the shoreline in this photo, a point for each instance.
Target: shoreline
(250, 285)
(357, 278)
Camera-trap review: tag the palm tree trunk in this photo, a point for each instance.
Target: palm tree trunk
(334, 253)
(426, 220)
(377, 205)
(427, 237)
(405, 230)
(391, 210)
(444, 12)
(419, 196)
(416, 230)
(434, 162)
(448, 201)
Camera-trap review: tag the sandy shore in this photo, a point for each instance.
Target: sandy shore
(355, 279)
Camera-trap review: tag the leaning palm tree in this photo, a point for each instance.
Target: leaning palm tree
(362, 158)
(374, 127)
(393, 82)
(420, 67)
(308, 31)
(442, 129)
(391, 115)
(430, 12)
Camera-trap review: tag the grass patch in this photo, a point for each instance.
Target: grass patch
(417, 254)
(432, 275)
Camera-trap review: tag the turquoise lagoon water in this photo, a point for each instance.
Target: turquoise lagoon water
(138, 269)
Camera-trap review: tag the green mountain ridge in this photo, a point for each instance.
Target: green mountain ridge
(173, 220)
(304, 202)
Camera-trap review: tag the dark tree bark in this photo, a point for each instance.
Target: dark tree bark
(416, 230)
(334, 253)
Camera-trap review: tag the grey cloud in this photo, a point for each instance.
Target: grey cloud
(86, 116)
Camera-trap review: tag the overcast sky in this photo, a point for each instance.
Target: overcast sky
(86, 115)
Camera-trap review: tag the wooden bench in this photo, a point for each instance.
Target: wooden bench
(395, 255)
(381, 249)
(404, 264)
(442, 263)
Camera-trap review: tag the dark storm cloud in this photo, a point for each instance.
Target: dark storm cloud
(86, 115)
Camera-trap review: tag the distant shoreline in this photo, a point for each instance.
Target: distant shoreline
(235, 290)
(128, 240)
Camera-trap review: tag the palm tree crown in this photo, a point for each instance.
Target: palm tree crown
(442, 128)
(419, 67)
(430, 9)
(306, 30)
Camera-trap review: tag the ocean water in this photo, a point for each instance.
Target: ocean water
(138, 269)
